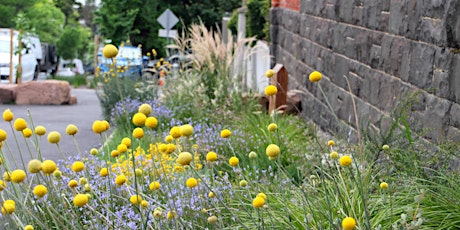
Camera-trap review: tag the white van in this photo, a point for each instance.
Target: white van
(31, 54)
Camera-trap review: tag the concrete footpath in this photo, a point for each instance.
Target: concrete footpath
(55, 118)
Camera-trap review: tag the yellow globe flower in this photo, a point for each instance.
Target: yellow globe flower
(8, 115)
(154, 185)
(272, 127)
(384, 185)
(139, 119)
(211, 195)
(7, 176)
(99, 126)
(120, 180)
(385, 147)
(271, 90)
(3, 135)
(269, 73)
(8, 207)
(71, 129)
(315, 76)
(57, 173)
(186, 130)
(110, 51)
(334, 155)
(252, 155)
(83, 181)
(191, 182)
(243, 183)
(151, 122)
(20, 124)
(40, 130)
(263, 195)
(258, 202)
(171, 148)
(40, 191)
(184, 158)
(94, 151)
(114, 153)
(54, 137)
(72, 184)
(138, 133)
(233, 161)
(126, 141)
(104, 172)
(34, 166)
(144, 204)
(78, 166)
(2, 185)
(330, 143)
(175, 132)
(171, 214)
(18, 176)
(48, 167)
(345, 161)
(29, 227)
(348, 223)
(80, 200)
(145, 109)
(211, 156)
(139, 172)
(135, 199)
(212, 219)
(122, 148)
(272, 150)
(27, 132)
(157, 214)
(169, 138)
(225, 133)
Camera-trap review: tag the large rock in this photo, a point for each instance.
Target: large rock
(7, 93)
(50, 92)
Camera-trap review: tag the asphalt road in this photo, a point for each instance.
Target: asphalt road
(55, 118)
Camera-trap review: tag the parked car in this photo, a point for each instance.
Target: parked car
(69, 68)
(129, 59)
(31, 55)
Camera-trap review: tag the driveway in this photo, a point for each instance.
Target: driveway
(55, 118)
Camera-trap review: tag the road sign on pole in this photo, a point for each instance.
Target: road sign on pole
(168, 19)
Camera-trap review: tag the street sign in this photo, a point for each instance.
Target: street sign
(167, 33)
(167, 19)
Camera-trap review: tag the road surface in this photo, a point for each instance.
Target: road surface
(55, 118)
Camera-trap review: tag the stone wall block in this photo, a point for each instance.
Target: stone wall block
(454, 79)
(421, 65)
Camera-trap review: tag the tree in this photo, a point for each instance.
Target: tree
(47, 21)
(71, 41)
(10, 8)
(136, 20)
(67, 7)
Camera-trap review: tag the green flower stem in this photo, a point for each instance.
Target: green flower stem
(220, 200)
(76, 144)
(363, 194)
(36, 143)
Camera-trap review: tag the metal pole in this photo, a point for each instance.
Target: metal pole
(11, 55)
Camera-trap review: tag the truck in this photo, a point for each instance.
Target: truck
(31, 54)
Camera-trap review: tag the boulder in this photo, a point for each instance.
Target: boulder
(7, 93)
(49, 92)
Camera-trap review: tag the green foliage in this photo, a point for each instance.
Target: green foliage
(45, 20)
(117, 89)
(72, 41)
(138, 22)
(9, 9)
(258, 23)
